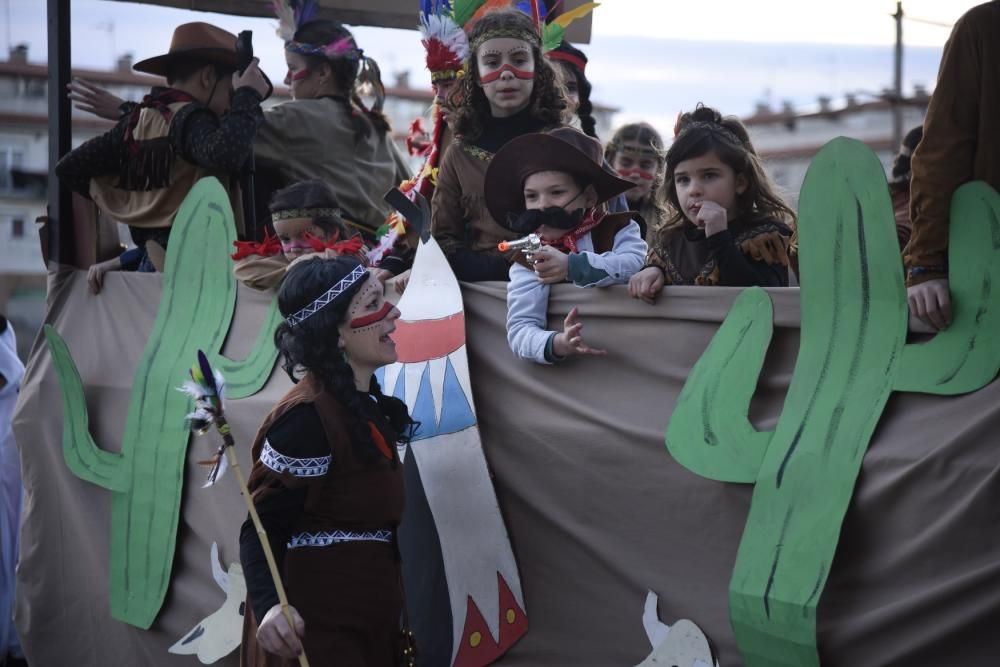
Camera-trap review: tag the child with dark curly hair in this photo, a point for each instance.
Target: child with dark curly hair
(510, 90)
(729, 225)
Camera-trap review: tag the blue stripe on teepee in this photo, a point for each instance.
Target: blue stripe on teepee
(456, 413)
(399, 391)
(423, 409)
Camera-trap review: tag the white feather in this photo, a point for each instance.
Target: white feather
(286, 19)
(446, 31)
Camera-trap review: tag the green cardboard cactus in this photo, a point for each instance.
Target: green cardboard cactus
(146, 478)
(852, 355)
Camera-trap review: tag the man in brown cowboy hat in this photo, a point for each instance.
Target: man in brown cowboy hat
(555, 185)
(201, 124)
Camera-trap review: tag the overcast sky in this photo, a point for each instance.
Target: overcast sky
(650, 58)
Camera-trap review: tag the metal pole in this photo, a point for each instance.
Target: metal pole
(60, 205)
(897, 90)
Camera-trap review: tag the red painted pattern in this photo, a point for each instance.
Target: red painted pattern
(422, 340)
(377, 316)
(476, 645)
(527, 75)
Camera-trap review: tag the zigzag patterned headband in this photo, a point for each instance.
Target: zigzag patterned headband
(329, 296)
(293, 213)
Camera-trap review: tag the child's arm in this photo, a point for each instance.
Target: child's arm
(589, 269)
(447, 223)
(527, 309)
(221, 143)
(96, 157)
(95, 274)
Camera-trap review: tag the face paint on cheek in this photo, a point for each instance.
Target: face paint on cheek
(373, 318)
(524, 75)
(636, 173)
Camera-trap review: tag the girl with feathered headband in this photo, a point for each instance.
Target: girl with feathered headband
(327, 132)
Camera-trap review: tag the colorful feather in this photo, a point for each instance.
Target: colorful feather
(207, 387)
(341, 47)
(464, 10)
(292, 15)
(485, 7)
(553, 33)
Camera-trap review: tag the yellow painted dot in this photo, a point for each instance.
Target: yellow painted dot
(511, 616)
(474, 639)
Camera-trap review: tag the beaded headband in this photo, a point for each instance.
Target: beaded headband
(711, 127)
(446, 74)
(341, 48)
(293, 213)
(528, 36)
(641, 150)
(329, 296)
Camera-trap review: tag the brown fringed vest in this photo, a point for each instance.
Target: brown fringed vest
(154, 179)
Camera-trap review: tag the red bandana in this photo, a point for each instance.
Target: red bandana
(568, 242)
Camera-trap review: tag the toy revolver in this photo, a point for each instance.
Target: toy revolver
(529, 244)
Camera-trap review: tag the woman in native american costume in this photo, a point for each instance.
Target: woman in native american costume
(326, 479)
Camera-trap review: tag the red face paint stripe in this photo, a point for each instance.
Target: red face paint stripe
(638, 173)
(518, 74)
(368, 320)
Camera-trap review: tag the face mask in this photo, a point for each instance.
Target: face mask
(555, 217)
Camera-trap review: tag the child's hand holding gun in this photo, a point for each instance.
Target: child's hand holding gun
(550, 265)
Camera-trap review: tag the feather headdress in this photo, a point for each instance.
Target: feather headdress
(292, 15)
(444, 39)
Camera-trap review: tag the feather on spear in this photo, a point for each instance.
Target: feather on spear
(207, 388)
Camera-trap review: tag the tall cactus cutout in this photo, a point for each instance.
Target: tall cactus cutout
(146, 478)
(852, 355)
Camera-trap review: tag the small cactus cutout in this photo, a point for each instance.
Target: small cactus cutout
(852, 356)
(146, 478)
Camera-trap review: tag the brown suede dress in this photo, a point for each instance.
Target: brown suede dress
(348, 591)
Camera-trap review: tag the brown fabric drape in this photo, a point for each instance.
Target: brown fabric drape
(598, 511)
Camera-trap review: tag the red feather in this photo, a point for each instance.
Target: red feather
(268, 247)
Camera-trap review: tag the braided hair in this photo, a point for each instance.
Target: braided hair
(348, 70)
(312, 346)
(585, 112)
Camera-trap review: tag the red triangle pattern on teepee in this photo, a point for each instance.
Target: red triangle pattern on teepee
(476, 645)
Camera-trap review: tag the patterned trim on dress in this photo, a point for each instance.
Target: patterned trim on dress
(477, 152)
(315, 466)
(326, 538)
(708, 275)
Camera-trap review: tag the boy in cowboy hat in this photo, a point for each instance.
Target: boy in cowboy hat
(554, 184)
(140, 171)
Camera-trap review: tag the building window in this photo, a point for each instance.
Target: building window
(10, 158)
(17, 228)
